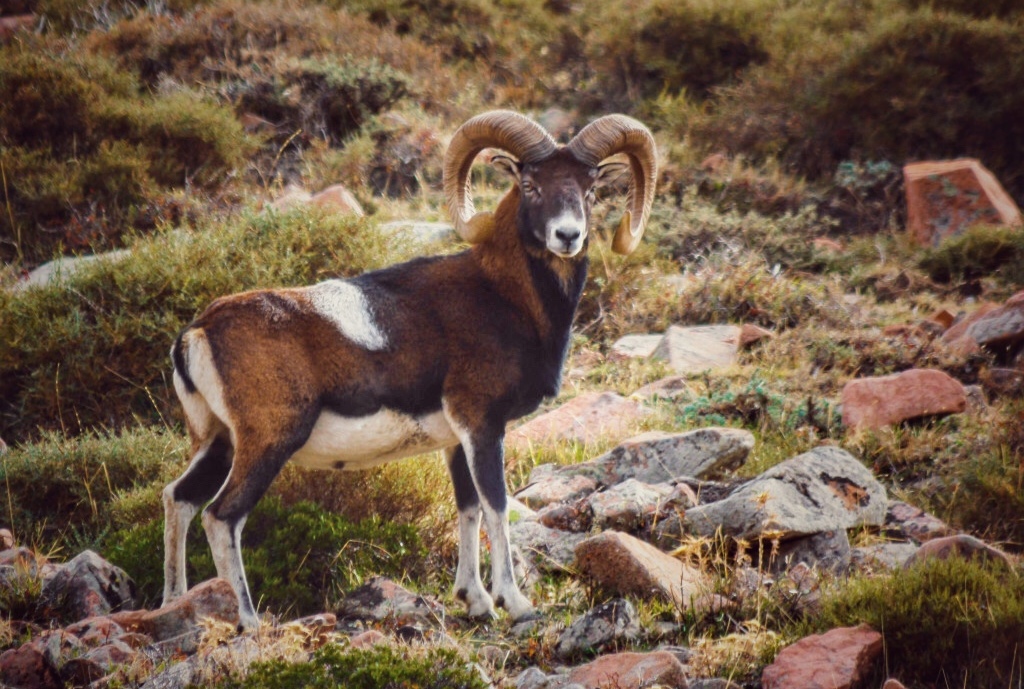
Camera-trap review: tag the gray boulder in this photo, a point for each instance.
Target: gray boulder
(825, 489)
(87, 586)
(658, 457)
(599, 627)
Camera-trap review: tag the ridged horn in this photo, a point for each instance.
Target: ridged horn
(504, 129)
(613, 134)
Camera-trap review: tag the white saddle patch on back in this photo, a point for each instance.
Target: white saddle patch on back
(345, 305)
(365, 441)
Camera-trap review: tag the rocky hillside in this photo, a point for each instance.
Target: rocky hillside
(788, 447)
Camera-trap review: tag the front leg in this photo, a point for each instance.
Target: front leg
(468, 587)
(484, 456)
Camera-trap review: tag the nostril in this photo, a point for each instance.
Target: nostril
(567, 235)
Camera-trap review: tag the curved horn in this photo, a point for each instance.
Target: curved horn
(504, 129)
(620, 134)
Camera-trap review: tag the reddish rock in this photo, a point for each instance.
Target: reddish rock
(828, 245)
(11, 25)
(667, 388)
(585, 419)
(960, 545)
(999, 327)
(98, 662)
(95, 631)
(6, 537)
(893, 684)
(87, 586)
(573, 518)
(943, 318)
(839, 659)
(915, 523)
(339, 199)
(381, 599)
(3, 450)
(944, 198)
(886, 400)
(631, 671)
(694, 349)
(368, 640)
(751, 334)
(634, 347)
(25, 667)
(214, 598)
(955, 335)
(626, 565)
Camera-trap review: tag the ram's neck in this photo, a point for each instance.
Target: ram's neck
(544, 287)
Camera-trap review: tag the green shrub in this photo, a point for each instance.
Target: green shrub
(980, 471)
(83, 151)
(983, 251)
(94, 354)
(253, 41)
(982, 10)
(62, 488)
(757, 405)
(664, 46)
(382, 667)
(944, 623)
(910, 85)
(492, 30)
(326, 98)
(299, 559)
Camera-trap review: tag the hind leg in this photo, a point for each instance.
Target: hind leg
(468, 586)
(211, 462)
(256, 464)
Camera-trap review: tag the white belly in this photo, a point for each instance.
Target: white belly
(340, 442)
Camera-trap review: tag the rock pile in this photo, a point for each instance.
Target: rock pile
(612, 521)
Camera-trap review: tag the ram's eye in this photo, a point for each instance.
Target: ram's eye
(591, 195)
(529, 187)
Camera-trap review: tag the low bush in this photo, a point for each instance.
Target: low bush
(60, 489)
(231, 39)
(909, 85)
(85, 152)
(981, 477)
(944, 623)
(124, 314)
(982, 10)
(467, 29)
(382, 667)
(667, 47)
(299, 559)
(325, 97)
(757, 405)
(983, 251)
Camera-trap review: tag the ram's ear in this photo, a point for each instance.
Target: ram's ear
(610, 172)
(510, 166)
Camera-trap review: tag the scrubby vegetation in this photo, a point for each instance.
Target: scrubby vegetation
(380, 668)
(945, 623)
(165, 128)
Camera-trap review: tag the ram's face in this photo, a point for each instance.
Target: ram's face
(556, 199)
